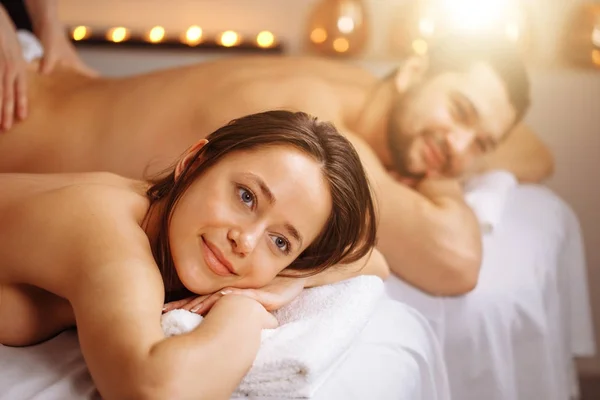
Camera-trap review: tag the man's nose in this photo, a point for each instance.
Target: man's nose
(459, 139)
(243, 241)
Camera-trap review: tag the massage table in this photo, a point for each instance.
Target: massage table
(393, 358)
(514, 337)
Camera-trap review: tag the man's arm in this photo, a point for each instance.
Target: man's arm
(523, 154)
(371, 264)
(429, 236)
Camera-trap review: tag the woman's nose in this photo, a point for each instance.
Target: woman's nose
(243, 241)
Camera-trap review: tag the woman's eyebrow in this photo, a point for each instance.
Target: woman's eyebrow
(294, 233)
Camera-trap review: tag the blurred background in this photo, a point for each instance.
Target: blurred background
(560, 39)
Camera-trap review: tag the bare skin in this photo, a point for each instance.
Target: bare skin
(135, 126)
(89, 277)
(75, 250)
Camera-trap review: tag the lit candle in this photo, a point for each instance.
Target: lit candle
(229, 38)
(265, 39)
(118, 34)
(156, 34)
(318, 35)
(193, 35)
(341, 45)
(81, 32)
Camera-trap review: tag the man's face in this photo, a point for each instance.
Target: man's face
(443, 124)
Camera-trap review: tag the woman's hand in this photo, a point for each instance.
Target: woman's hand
(13, 75)
(58, 50)
(280, 292)
(243, 307)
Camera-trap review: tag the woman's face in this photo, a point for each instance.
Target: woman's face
(247, 218)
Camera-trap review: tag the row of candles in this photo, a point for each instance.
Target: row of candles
(193, 36)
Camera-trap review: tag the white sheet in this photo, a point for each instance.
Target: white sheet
(514, 336)
(395, 358)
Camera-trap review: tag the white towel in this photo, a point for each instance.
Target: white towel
(30, 45)
(316, 330)
(486, 194)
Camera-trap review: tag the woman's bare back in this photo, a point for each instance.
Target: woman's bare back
(38, 259)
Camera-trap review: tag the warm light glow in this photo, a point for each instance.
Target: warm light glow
(192, 36)
(512, 31)
(318, 35)
(420, 47)
(341, 45)
(118, 34)
(345, 24)
(596, 35)
(156, 34)
(596, 57)
(426, 26)
(265, 39)
(472, 15)
(229, 38)
(81, 32)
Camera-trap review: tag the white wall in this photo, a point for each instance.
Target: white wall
(566, 102)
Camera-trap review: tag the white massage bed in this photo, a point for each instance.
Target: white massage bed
(395, 357)
(514, 337)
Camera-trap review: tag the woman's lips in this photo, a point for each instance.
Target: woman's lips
(215, 261)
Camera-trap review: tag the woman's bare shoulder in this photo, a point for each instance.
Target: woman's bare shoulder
(98, 215)
(85, 225)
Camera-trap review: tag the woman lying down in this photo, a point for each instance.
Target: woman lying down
(268, 193)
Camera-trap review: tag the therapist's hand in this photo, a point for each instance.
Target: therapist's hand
(58, 50)
(13, 75)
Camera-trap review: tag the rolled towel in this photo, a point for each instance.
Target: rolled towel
(315, 332)
(30, 45)
(486, 194)
(177, 322)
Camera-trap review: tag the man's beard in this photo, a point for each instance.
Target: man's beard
(401, 145)
(400, 150)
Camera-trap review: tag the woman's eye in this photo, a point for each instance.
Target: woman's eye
(246, 196)
(281, 244)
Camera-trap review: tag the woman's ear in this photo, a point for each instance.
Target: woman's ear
(186, 159)
(410, 72)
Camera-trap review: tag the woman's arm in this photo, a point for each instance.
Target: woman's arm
(117, 292)
(282, 290)
(118, 322)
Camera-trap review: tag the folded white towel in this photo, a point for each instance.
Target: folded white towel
(486, 194)
(315, 332)
(30, 45)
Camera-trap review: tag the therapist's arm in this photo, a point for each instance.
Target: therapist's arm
(58, 49)
(429, 236)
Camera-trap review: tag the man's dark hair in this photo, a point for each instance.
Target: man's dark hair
(458, 53)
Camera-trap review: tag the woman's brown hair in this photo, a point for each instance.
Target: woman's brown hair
(350, 231)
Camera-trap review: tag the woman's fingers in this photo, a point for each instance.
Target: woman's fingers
(204, 306)
(173, 305)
